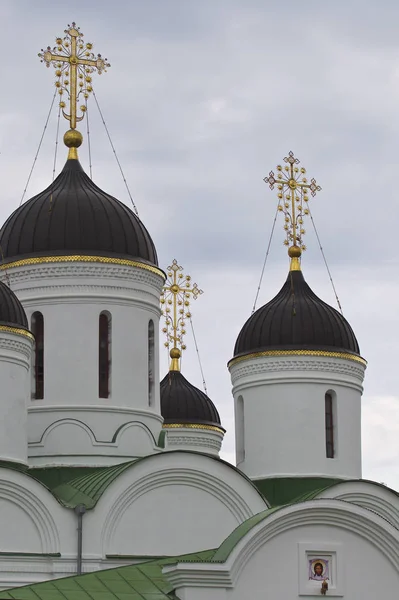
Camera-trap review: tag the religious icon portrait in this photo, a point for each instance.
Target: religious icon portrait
(318, 569)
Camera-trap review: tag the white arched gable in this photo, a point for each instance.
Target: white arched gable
(272, 555)
(193, 499)
(31, 519)
(336, 514)
(370, 495)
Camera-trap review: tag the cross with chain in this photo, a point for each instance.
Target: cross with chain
(293, 189)
(74, 63)
(175, 302)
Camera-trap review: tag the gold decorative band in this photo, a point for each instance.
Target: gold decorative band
(345, 355)
(16, 330)
(192, 426)
(81, 258)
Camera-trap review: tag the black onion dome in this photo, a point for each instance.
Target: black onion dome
(183, 403)
(74, 216)
(296, 319)
(12, 313)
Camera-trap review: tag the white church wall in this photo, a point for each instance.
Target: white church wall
(31, 519)
(376, 497)
(280, 415)
(15, 356)
(71, 296)
(169, 504)
(358, 549)
(195, 439)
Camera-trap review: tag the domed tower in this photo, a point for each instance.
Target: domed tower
(191, 420)
(16, 343)
(297, 372)
(85, 269)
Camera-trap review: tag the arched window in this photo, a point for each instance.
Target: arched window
(329, 425)
(104, 355)
(151, 363)
(240, 431)
(37, 326)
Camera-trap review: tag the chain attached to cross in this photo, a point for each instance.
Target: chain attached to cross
(175, 302)
(293, 189)
(74, 63)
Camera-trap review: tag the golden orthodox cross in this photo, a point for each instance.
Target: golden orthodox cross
(74, 63)
(293, 189)
(175, 302)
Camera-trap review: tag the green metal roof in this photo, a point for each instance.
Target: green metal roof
(284, 490)
(230, 542)
(79, 485)
(85, 485)
(137, 582)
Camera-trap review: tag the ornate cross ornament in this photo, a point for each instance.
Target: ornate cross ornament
(175, 302)
(293, 189)
(74, 64)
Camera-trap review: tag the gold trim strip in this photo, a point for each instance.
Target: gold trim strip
(17, 330)
(81, 258)
(345, 355)
(192, 426)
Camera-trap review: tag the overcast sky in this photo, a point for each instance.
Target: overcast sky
(202, 100)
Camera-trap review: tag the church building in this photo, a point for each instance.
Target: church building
(111, 483)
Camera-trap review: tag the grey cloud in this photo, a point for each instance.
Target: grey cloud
(202, 100)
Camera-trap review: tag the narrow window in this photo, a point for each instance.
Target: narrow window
(37, 325)
(104, 355)
(240, 431)
(329, 425)
(151, 363)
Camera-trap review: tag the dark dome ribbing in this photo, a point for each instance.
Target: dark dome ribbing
(182, 403)
(296, 319)
(11, 310)
(74, 216)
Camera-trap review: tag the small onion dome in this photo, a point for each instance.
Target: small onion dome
(12, 313)
(296, 319)
(74, 216)
(182, 403)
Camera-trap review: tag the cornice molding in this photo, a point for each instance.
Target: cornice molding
(16, 331)
(288, 364)
(81, 258)
(133, 273)
(320, 353)
(197, 426)
(23, 346)
(201, 442)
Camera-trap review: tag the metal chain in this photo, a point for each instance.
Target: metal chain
(265, 261)
(199, 358)
(88, 139)
(38, 149)
(325, 262)
(114, 151)
(55, 157)
(56, 143)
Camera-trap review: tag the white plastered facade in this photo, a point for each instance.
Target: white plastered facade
(280, 415)
(15, 361)
(174, 500)
(71, 425)
(166, 504)
(272, 560)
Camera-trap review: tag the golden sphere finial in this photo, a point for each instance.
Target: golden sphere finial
(294, 252)
(73, 138)
(175, 353)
